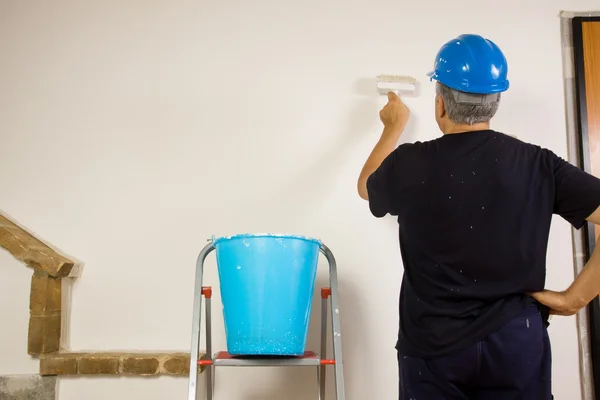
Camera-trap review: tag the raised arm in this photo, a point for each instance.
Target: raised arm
(394, 116)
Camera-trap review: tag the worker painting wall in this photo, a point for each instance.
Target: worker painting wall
(132, 131)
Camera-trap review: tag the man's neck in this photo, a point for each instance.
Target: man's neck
(463, 128)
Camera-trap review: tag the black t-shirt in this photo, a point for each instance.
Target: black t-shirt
(474, 212)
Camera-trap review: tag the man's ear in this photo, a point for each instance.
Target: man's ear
(440, 108)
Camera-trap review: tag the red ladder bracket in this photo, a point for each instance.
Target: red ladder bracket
(207, 291)
(325, 292)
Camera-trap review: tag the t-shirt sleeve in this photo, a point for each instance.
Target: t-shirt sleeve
(384, 185)
(577, 193)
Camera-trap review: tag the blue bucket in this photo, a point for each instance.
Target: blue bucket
(267, 285)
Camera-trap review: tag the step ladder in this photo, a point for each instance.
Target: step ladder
(222, 358)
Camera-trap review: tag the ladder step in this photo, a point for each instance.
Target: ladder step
(225, 359)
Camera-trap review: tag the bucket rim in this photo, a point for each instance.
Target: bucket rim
(216, 240)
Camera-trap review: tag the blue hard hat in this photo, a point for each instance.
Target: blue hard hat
(472, 64)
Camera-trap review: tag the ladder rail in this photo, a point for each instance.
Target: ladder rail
(335, 322)
(196, 322)
(322, 370)
(210, 370)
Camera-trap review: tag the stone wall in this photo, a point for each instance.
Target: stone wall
(137, 364)
(50, 268)
(45, 317)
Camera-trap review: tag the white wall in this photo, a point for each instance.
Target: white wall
(131, 131)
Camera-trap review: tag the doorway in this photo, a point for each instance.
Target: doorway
(586, 43)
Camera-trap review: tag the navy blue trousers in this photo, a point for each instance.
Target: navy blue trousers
(514, 363)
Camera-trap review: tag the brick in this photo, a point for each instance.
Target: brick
(4, 221)
(45, 294)
(98, 364)
(44, 334)
(32, 251)
(126, 364)
(11, 243)
(177, 364)
(49, 261)
(59, 364)
(140, 364)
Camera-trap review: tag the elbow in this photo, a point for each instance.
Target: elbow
(574, 303)
(362, 189)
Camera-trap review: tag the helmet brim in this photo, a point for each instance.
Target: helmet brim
(496, 88)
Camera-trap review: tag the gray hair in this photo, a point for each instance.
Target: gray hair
(467, 113)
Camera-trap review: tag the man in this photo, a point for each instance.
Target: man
(474, 209)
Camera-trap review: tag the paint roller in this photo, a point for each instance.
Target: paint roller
(399, 84)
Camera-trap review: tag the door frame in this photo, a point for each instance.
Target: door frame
(593, 308)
